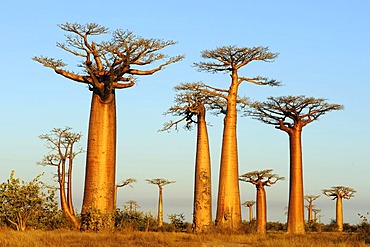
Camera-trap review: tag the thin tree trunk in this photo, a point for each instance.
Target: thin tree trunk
(228, 204)
(296, 223)
(202, 215)
(261, 210)
(160, 208)
(250, 213)
(69, 185)
(309, 212)
(101, 156)
(339, 213)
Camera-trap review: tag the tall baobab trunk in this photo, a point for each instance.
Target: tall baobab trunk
(296, 223)
(101, 156)
(228, 204)
(160, 208)
(202, 216)
(261, 209)
(339, 213)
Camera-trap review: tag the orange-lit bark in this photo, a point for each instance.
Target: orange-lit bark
(296, 223)
(202, 215)
(339, 213)
(261, 208)
(228, 204)
(160, 207)
(250, 213)
(101, 156)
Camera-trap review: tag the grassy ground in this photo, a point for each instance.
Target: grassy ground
(63, 238)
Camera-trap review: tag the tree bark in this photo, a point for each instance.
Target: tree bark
(309, 216)
(250, 213)
(339, 213)
(261, 209)
(101, 156)
(160, 208)
(296, 223)
(228, 203)
(202, 215)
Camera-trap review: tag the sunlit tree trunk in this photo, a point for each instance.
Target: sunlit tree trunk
(261, 209)
(228, 204)
(339, 213)
(296, 223)
(309, 216)
(101, 156)
(160, 208)
(202, 215)
(250, 213)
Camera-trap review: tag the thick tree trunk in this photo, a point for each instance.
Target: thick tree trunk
(296, 223)
(202, 215)
(228, 203)
(101, 156)
(160, 208)
(261, 209)
(339, 213)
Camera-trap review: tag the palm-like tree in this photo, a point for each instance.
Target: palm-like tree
(260, 179)
(338, 193)
(230, 59)
(290, 114)
(160, 182)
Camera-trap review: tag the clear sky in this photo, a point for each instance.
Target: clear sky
(324, 51)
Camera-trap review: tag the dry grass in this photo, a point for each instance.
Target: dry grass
(63, 238)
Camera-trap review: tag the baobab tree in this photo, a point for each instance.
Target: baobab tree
(310, 199)
(128, 181)
(191, 102)
(249, 204)
(338, 193)
(290, 114)
(315, 212)
(160, 182)
(260, 179)
(132, 206)
(230, 59)
(105, 67)
(64, 147)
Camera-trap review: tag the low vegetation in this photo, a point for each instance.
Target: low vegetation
(38, 238)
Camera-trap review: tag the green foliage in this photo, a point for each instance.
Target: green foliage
(177, 220)
(364, 229)
(94, 220)
(25, 204)
(137, 220)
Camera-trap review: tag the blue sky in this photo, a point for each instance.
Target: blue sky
(324, 52)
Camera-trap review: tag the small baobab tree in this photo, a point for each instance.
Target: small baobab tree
(128, 181)
(106, 66)
(249, 204)
(315, 212)
(260, 179)
(132, 206)
(160, 182)
(290, 114)
(230, 59)
(310, 199)
(64, 147)
(338, 193)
